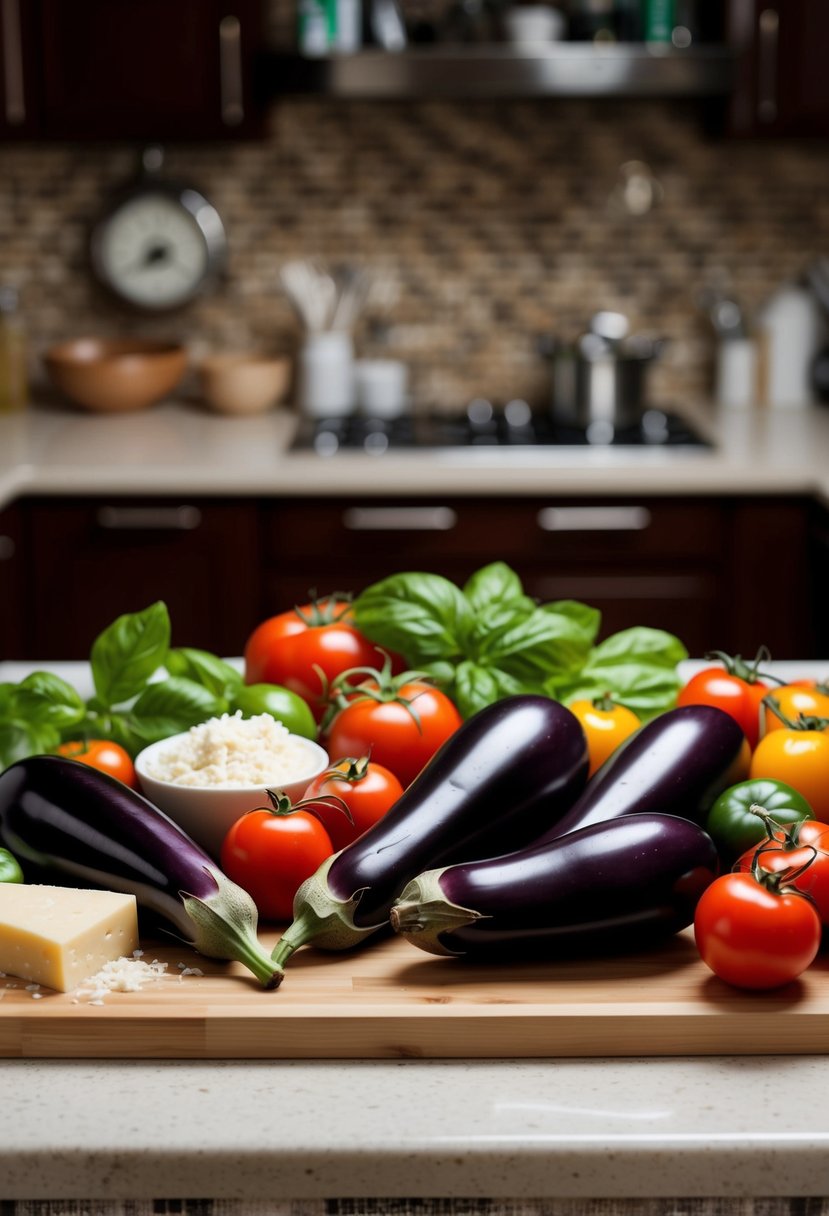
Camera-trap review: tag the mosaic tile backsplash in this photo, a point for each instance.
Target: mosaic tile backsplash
(486, 225)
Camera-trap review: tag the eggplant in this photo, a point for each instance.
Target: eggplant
(81, 827)
(620, 884)
(677, 764)
(507, 772)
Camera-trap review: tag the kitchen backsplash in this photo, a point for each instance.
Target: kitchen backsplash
(491, 223)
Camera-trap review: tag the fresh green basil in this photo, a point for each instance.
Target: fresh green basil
(489, 640)
(205, 669)
(45, 699)
(172, 705)
(128, 652)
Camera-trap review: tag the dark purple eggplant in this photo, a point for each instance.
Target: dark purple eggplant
(83, 828)
(622, 884)
(677, 764)
(507, 773)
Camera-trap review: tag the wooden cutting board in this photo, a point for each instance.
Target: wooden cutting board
(390, 1000)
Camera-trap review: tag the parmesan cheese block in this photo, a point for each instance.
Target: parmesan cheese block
(59, 936)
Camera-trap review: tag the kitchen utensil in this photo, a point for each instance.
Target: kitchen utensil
(118, 374)
(244, 384)
(380, 387)
(325, 374)
(599, 381)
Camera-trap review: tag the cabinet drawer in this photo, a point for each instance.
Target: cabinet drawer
(409, 532)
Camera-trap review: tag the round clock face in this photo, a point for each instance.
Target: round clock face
(158, 248)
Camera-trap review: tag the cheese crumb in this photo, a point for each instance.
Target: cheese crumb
(127, 975)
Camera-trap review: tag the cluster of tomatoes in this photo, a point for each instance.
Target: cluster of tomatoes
(760, 925)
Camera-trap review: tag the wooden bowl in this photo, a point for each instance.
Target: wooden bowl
(244, 384)
(114, 375)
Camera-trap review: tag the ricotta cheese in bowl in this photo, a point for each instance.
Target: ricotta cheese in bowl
(210, 775)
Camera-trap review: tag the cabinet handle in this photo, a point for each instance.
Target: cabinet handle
(769, 26)
(399, 519)
(230, 71)
(150, 519)
(594, 519)
(15, 100)
(7, 548)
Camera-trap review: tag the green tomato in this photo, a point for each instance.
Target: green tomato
(733, 827)
(9, 869)
(286, 706)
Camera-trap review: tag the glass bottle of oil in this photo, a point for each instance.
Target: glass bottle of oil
(14, 384)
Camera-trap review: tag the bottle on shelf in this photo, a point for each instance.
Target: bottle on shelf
(14, 380)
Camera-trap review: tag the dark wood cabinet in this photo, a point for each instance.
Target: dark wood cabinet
(697, 568)
(782, 86)
(727, 574)
(12, 590)
(91, 560)
(131, 69)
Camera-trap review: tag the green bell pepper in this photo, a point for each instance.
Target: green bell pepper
(734, 828)
(9, 869)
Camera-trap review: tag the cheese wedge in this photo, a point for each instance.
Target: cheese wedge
(59, 936)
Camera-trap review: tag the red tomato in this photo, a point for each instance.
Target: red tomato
(107, 757)
(401, 733)
(803, 844)
(752, 936)
(306, 649)
(367, 789)
(733, 688)
(270, 853)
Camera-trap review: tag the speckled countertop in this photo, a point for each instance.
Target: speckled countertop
(548, 1129)
(178, 448)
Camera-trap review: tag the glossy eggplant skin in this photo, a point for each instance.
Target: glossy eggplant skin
(71, 825)
(623, 884)
(676, 764)
(507, 772)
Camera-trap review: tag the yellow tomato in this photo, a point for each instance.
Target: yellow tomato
(801, 759)
(606, 726)
(793, 700)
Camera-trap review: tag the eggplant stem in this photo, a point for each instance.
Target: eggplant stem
(321, 919)
(224, 926)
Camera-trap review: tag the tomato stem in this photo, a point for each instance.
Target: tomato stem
(744, 669)
(778, 881)
(801, 722)
(327, 610)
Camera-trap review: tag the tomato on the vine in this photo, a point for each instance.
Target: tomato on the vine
(798, 755)
(735, 687)
(271, 851)
(606, 725)
(786, 845)
(400, 721)
(351, 796)
(306, 648)
(754, 931)
(793, 700)
(103, 755)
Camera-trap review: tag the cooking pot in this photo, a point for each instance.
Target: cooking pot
(600, 378)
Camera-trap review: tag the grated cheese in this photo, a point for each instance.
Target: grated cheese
(232, 751)
(127, 975)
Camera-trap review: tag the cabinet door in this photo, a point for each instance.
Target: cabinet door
(95, 559)
(148, 69)
(783, 86)
(12, 643)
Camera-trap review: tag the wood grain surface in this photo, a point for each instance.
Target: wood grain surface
(390, 1000)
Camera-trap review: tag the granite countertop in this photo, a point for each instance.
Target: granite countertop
(258, 1132)
(178, 448)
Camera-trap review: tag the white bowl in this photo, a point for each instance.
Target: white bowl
(207, 812)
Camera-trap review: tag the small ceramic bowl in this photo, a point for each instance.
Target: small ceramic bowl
(206, 813)
(115, 375)
(244, 384)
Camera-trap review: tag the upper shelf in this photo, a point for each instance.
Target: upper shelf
(562, 69)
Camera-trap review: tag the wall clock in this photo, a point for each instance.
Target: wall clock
(160, 244)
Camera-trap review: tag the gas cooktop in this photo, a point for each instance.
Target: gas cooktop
(516, 426)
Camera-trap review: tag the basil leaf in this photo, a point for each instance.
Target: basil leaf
(206, 669)
(588, 619)
(493, 584)
(128, 652)
(421, 616)
(171, 706)
(45, 699)
(642, 644)
(7, 695)
(476, 687)
(534, 647)
(118, 728)
(19, 740)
